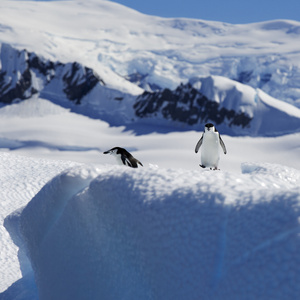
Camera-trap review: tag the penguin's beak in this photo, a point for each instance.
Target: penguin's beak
(107, 152)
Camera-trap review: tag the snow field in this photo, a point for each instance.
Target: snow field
(63, 135)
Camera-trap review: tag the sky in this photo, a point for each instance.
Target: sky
(229, 11)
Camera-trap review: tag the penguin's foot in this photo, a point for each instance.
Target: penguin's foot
(214, 169)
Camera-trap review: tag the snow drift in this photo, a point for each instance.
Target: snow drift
(119, 233)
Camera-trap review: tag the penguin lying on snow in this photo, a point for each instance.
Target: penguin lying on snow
(210, 142)
(123, 157)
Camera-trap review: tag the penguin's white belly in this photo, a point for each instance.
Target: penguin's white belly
(119, 161)
(210, 150)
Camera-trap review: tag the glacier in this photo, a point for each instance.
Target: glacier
(119, 43)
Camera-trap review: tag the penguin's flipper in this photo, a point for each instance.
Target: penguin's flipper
(130, 161)
(222, 145)
(199, 144)
(126, 161)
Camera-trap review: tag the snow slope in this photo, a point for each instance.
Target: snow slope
(235, 108)
(120, 233)
(269, 116)
(115, 40)
(63, 135)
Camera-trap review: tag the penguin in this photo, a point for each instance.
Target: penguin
(123, 157)
(210, 142)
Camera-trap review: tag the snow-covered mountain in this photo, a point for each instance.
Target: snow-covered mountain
(235, 107)
(140, 58)
(24, 74)
(160, 52)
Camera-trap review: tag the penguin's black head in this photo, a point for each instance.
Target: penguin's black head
(115, 150)
(209, 127)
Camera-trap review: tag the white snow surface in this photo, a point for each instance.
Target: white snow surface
(73, 225)
(120, 233)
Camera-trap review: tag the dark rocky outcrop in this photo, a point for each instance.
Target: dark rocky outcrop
(186, 104)
(24, 74)
(76, 86)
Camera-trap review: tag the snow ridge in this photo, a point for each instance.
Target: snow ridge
(167, 234)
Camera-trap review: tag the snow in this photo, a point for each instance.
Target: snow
(264, 110)
(69, 214)
(73, 225)
(232, 94)
(255, 113)
(120, 233)
(63, 135)
(21, 178)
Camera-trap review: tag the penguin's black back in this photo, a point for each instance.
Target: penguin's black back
(127, 158)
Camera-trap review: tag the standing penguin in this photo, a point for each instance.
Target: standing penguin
(123, 157)
(210, 142)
